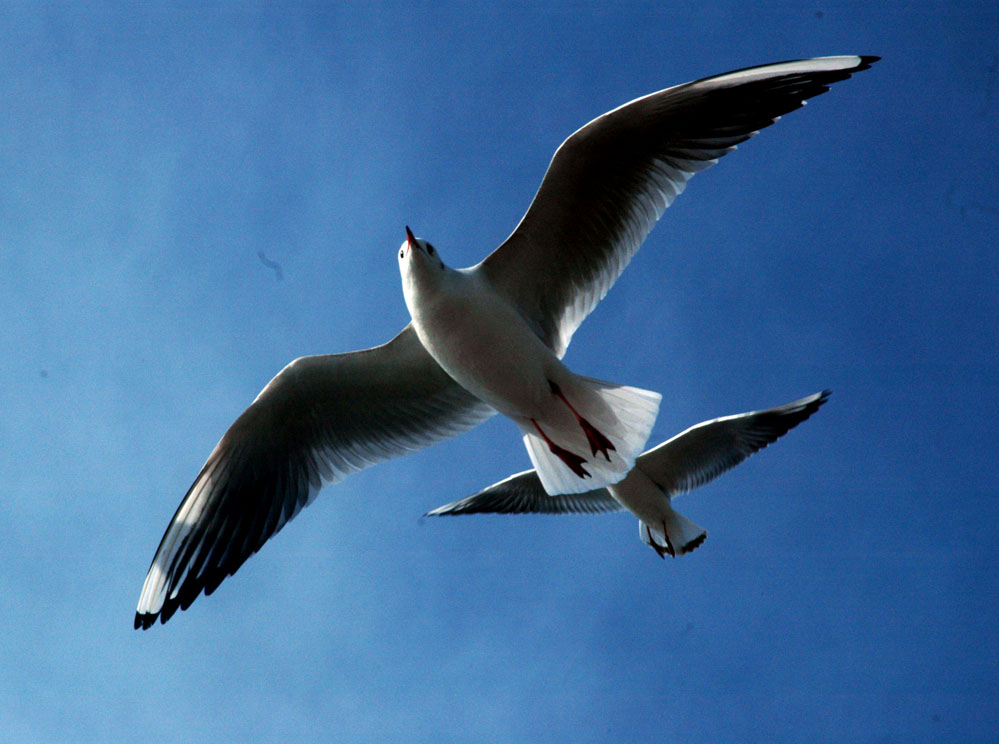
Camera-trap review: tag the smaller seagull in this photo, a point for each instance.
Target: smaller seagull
(681, 464)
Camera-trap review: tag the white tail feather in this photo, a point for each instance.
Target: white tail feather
(624, 415)
(675, 535)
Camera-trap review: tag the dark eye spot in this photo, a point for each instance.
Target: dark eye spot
(402, 253)
(430, 249)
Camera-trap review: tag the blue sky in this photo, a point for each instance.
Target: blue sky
(847, 590)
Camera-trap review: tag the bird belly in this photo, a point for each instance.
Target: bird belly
(490, 351)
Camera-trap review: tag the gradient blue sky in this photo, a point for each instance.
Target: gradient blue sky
(848, 587)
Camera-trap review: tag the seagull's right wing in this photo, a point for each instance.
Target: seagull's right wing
(321, 419)
(703, 452)
(523, 494)
(612, 179)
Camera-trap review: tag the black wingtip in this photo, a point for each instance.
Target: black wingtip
(811, 404)
(866, 60)
(143, 621)
(448, 510)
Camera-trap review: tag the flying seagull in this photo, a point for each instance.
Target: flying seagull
(469, 323)
(687, 461)
(325, 417)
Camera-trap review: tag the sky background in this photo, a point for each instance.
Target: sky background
(847, 590)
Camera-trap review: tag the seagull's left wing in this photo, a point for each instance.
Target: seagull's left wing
(321, 419)
(610, 181)
(523, 494)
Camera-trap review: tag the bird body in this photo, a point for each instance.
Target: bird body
(580, 433)
(478, 338)
(660, 526)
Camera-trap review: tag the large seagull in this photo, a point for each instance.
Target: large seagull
(325, 417)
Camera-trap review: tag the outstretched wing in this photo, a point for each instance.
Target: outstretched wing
(703, 452)
(321, 419)
(610, 181)
(523, 494)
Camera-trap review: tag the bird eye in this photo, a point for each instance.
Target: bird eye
(430, 249)
(402, 253)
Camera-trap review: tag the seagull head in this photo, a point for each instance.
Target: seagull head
(416, 254)
(421, 269)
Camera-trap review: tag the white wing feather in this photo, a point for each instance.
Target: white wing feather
(611, 180)
(319, 420)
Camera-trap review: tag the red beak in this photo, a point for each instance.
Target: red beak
(411, 239)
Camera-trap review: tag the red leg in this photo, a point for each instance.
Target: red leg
(597, 441)
(574, 461)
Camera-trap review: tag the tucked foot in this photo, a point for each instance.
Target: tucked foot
(669, 543)
(571, 459)
(597, 441)
(653, 544)
(661, 550)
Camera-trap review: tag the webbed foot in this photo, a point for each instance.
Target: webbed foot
(594, 437)
(571, 459)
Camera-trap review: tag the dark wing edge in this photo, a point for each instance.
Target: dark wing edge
(319, 420)
(612, 179)
(703, 452)
(523, 494)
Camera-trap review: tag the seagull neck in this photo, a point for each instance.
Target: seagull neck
(421, 285)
